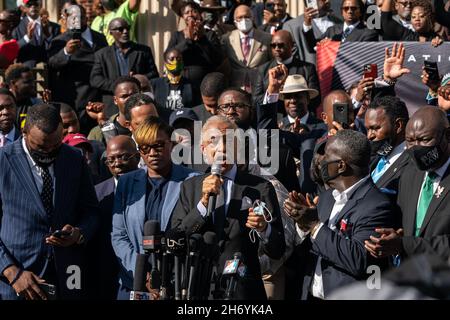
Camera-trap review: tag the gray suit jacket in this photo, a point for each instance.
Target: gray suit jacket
(295, 27)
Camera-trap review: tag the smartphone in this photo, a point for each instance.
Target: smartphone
(432, 69)
(269, 7)
(76, 35)
(60, 233)
(341, 114)
(370, 71)
(49, 290)
(312, 4)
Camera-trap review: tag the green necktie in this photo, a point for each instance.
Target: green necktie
(424, 201)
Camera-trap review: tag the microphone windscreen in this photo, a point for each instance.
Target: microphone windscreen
(140, 273)
(151, 228)
(195, 242)
(215, 169)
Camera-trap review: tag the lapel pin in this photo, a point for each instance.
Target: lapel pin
(439, 191)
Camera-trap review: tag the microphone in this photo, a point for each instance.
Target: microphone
(175, 241)
(233, 268)
(195, 246)
(210, 254)
(165, 272)
(151, 243)
(215, 170)
(140, 275)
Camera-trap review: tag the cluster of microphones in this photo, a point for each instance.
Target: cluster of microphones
(182, 267)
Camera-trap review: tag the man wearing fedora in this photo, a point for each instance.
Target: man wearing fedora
(282, 45)
(212, 13)
(306, 128)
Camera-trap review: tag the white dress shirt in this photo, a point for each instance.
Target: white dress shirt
(322, 23)
(37, 171)
(302, 119)
(341, 199)
(37, 30)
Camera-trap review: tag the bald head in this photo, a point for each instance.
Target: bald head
(428, 131)
(242, 11)
(121, 155)
(282, 44)
(117, 22)
(336, 96)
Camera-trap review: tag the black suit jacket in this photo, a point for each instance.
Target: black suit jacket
(202, 113)
(359, 33)
(302, 145)
(34, 51)
(434, 235)
(267, 27)
(344, 258)
(233, 235)
(389, 180)
(70, 75)
(307, 70)
(106, 70)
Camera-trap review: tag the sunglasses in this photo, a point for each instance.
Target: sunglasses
(278, 45)
(121, 29)
(348, 8)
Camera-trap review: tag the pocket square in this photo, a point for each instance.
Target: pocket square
(247, 203)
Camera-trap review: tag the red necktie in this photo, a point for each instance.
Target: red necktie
(245, 45)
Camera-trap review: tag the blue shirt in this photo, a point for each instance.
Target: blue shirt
(155, 197)
(122, 61)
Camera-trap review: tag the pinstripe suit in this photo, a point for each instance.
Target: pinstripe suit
(24, 223)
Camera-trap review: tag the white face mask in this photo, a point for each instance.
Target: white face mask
(245, 25)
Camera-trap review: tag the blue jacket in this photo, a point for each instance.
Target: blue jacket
(24, 223)
(129, 216)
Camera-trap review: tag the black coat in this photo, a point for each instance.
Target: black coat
(70, 75)
(233, 235)
(434, 234)
(35, 51)
(106, 70)
(344, 257)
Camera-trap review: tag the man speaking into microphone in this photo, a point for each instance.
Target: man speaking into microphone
(233, 218)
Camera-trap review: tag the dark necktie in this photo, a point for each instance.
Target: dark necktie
(47, 192)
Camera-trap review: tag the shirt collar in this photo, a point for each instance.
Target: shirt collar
(441, 171)
(347, 193)
(243, 35)
(302, 119)
(287, 61)
(352, 26)
(38, 20)
(397, 151)
(10, 135)
(27, 152)
(231, 174)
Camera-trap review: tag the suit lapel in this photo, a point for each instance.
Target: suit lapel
(21, 168)
(112, 58)
(61, 173)
(137, 209)
(132, 58)
(414, 192)
(442, 191)
(256, 44)
(173, 190)
(235, 42)
(393, 169)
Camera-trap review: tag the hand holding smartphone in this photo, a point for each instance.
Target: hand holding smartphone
(432, 69)
(341, 114)
(370, 71)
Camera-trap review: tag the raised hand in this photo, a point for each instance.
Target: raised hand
(393, 63)
(277, 77)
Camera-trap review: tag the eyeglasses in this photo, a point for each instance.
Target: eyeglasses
(121, 29)
(146, 148)
(123, 158)
(405, 3)
(348, 8)
(234, 106)
(278, 45)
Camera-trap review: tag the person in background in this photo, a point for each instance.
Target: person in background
(9, 48)
(8, 131)
(174, 91)
(79, 141)
(127, 10)
(144, 195)
(34, 34)
(212, 86)
(121, 157)
(199, 47)
(63, 16)
(20, 81)
(275, 16)
(146, 87)
(137, 109)
(123, 58)
(212, 13)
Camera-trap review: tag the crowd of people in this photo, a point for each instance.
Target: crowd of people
(233, 138)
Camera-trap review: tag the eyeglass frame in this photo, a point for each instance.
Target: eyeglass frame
(235, 106)
(159, 147)
(125, 157)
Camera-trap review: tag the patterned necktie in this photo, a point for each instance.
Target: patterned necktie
(47, 192)
(245, 46)
(379, 170)
(425, 199)
(346, 33)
